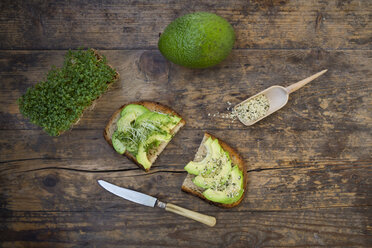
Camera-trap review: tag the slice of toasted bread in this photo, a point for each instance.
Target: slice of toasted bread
(189, 187)
(152, 106)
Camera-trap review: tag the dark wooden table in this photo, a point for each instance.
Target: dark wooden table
(309, 174)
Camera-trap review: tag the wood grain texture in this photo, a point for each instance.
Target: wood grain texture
(63, 189)
(137, 24)
(314, 155)
(117, 227)
(309, 165)
(338, 99)
(274, 149)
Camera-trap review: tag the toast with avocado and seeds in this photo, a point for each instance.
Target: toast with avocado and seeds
(141, 131)
(217, 174)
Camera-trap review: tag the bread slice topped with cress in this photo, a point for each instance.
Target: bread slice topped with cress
(217, 174)
(141, 131)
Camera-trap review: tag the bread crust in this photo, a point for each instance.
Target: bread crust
(236, 159)
(152, 106)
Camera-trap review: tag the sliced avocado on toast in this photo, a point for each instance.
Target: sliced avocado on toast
(205, 166)
(231, 192)
(129, 114)
(152, 142)
(217, 174)
(141, 130)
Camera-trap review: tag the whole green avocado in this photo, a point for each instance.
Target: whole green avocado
(197, 40)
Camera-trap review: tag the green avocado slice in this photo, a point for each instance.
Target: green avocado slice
(232, 192)
(134, 108)
(154, 119)
(205, 166)
(128, 115)
(218, 176)
(117, 144)
(174, 121)
(155, 139)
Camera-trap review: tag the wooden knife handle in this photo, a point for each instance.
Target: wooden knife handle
(205, 219)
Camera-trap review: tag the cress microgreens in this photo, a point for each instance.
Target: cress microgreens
(57, 103)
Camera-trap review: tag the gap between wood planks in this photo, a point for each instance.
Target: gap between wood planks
(209, 211)
(154, 171)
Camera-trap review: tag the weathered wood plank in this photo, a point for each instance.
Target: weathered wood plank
(326, 120)
(52, 189)
(133, 25)
(87, 149)
(337, 101)
(309, 165)
(339, 227)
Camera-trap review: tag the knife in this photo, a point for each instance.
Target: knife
(150, 201)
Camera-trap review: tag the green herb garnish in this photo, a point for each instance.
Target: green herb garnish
(139, 133)
(57, 103)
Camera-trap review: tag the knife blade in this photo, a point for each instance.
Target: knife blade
(150, 201)
(128, 194)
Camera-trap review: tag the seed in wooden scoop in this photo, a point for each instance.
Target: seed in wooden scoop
(253, 109)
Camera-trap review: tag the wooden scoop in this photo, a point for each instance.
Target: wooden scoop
(277, 96)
